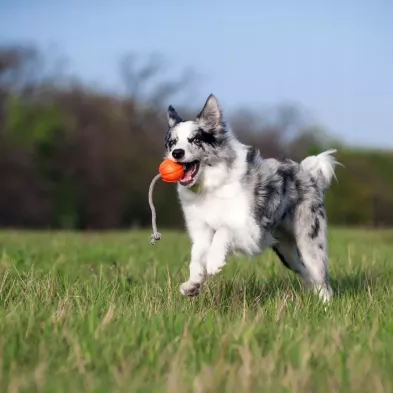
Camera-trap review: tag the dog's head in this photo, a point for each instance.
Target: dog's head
(198, 143)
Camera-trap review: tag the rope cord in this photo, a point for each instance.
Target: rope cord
(155, 235)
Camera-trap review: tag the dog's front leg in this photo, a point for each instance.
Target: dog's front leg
(201, 242)
(217, 251)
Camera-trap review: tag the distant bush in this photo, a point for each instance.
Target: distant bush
(363, 194)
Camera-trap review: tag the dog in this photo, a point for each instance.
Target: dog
(233, 200)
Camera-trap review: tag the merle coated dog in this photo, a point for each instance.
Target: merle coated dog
(235, 200)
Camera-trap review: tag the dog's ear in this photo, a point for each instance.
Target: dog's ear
(211, 115)
(172, 117)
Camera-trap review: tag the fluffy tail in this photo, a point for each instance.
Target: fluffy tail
(321, 167)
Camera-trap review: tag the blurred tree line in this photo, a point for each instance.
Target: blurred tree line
(72, 156)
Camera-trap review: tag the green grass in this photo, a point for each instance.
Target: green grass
(103, 313)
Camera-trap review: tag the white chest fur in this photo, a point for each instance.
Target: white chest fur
(228, 206)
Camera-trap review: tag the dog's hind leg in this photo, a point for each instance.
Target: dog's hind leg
(310, 235)
(286, 250)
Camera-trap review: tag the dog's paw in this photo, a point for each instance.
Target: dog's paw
(190, 289)
(213, 269)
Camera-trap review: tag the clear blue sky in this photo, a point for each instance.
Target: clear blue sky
(333, 57)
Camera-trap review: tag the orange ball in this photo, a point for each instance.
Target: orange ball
(170, 171)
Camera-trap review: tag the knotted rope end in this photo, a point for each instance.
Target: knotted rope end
(155, 237)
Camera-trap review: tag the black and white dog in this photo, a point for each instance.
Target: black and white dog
(234, 200)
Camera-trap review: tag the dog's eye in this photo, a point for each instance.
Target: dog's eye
(196, 140)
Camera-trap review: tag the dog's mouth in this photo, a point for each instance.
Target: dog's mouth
(191, 169)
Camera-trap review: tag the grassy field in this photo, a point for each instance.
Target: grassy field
(103, 313)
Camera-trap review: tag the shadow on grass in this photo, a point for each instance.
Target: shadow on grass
(253, 291)
(257, 291)
(356, 282)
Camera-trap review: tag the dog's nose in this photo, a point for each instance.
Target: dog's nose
(178, 154)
